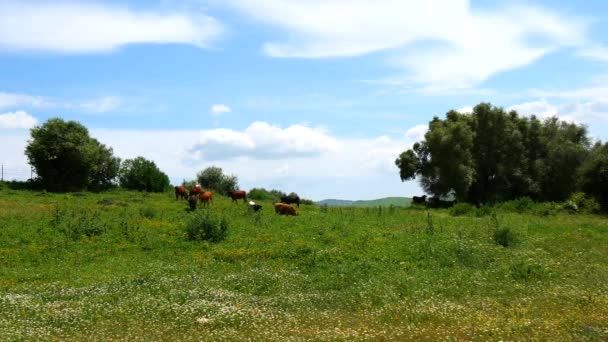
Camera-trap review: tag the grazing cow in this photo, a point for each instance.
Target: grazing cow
(285, 209)
(419, 200)
(254, 206)
(192, 200)
(238, 194)
(180, 191)
(292, 198)
(206, 197)
(196, 190)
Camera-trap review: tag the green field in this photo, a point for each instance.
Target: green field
(117, 265)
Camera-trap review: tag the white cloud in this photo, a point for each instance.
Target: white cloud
(465, 110)
(77, 27)
(263, 141)
(18, 119)
(580, 112)
(416, 133)
(93, 105)
(598, 52)
(220, 109)
(101, 105)
(440, 44)
(8, 100)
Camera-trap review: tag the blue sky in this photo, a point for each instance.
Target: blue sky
(317, 97)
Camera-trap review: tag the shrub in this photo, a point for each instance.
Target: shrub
(585, 203)
(147, 212)
(518, 205)
(546, 209)
(143, 175)
(526, 271)
(261, 194)
(462, 209)
(203, 226)
(482, 211)
(504, 236)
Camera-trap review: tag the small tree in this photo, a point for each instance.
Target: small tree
(65, 157)
(214, 178)
(143, 175)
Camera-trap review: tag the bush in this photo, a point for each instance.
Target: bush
(147, 212)
(518, 205)
(485, 210)
(546, 209)
(462, 209)
(584, 203)
(203, 226)
(143, 175)
(261, 194)
(504, 236)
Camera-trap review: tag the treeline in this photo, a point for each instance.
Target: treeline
(490, 156)
(66, 158)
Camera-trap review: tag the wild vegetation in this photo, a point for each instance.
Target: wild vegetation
(140, 266)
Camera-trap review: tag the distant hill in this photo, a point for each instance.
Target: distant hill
(384, 202)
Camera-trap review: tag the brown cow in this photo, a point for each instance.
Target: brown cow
(196, 190)
(285, 209)
(180, 191)
(206, 197)
(235, 195)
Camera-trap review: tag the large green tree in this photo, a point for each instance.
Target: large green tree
(143, 175)
(65, 157)
(492, 155)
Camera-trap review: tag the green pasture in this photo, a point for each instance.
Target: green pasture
(118, 266)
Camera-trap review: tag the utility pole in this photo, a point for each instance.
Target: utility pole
(2, 180)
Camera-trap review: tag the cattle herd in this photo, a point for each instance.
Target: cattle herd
(197, 195)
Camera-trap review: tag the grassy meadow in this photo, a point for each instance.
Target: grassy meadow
(117, 265)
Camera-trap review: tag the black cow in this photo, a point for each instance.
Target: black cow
(419, 200)
(291, 198)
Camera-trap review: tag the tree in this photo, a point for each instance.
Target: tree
(443, 159)
(593, 174)
(491, 155)
(214, 178)
(65, 157)
(143, 175)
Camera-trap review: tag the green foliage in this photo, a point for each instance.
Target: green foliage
(490, 156)
(142, 175)
(585, 203)
(262, 194)
(65, 157)
(462, 209)
(147, 212)
(484, 210)
(519, 205)
(593, 174)
(214, 178)
(205, 226)
(501, 235)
